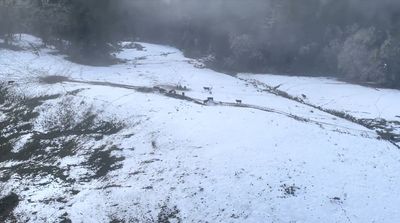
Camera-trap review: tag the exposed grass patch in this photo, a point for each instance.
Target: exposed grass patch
(66, 129)
(53, 79)
(19, 113)
(101, 161)
(7, 205)
(168, 214)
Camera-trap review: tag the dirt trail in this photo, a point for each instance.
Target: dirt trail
(383, 128)
(173, 94)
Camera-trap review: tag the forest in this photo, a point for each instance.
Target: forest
(354, 40)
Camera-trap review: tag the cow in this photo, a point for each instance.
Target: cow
(207, 88)
(209, 100)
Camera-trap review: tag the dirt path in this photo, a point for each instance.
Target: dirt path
(173, 94)
(383, 128)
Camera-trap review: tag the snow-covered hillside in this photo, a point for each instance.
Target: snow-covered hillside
(174, 154)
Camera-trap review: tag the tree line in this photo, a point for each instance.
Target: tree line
(83, 29)
(358, 40)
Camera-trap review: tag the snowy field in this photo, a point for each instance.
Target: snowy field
(363, 102)
(184, 159)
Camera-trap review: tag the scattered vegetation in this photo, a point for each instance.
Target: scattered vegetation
(289, 190)
(168, 214)
(387, 130)
(101, 161)
(66, 130)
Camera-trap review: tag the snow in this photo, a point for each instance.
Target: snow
(359, 101)
(19, 144)
(216, 163)
(28, 42)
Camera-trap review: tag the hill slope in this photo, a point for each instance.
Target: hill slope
(123, 144)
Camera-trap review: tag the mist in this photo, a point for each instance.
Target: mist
(161, 111)
(315, 37)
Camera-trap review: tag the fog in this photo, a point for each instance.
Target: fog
(313, 37)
